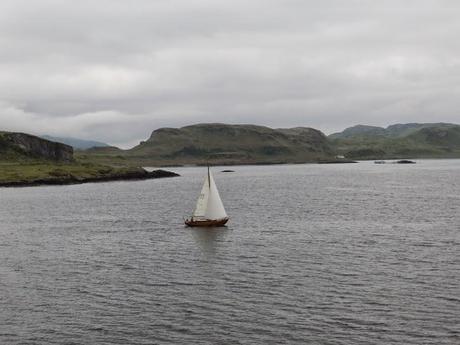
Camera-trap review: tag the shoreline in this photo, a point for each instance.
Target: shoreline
(343, 161)
(229, 164)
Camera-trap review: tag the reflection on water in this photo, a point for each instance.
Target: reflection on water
(209, 238)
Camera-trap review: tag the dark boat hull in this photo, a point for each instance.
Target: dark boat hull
(206, 222)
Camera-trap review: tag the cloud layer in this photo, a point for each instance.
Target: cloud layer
(114, 70)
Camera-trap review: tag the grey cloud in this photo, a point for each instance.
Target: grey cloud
(115, 70)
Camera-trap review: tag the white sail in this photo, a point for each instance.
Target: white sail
(209, 204)
(202, 202)
(215, 209)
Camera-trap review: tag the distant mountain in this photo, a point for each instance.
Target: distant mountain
(21, 147)
(397, 130)
(405, 129)
(77, 144)
(224, 144)
(358, 130)
(250, 144)
(430, 140)
(234, 143)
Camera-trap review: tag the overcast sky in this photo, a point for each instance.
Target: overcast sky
(114, 70)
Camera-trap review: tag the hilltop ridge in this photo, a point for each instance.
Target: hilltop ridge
(395, 130)
(410, 140)
(226, 144)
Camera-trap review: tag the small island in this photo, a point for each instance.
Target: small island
(404, 161)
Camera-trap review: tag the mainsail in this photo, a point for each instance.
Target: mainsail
(209, 204)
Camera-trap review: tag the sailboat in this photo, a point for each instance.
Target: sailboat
(209, 209)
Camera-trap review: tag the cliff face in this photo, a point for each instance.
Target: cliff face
(20, 146)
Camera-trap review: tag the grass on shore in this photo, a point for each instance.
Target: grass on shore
(17, 172)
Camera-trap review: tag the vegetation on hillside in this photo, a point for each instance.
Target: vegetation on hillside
(221, 144)
(29, 160)
(25, 159)
(399, 141)
(40, 173)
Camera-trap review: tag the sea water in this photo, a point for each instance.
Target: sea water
(313, 254)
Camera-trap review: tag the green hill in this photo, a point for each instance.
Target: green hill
(223, 144)
(422, 140)
(27, 160)
(228, 144)
(359, 130)
(249, 144)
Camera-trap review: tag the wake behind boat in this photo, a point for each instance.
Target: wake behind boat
(209, 209)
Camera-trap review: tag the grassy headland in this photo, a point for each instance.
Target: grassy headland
(219, 144)
(46, 173)
(28, 160)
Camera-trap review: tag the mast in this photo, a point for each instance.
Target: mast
(209, 178)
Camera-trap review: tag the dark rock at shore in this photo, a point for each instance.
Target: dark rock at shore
(405, 161)
(161, 173)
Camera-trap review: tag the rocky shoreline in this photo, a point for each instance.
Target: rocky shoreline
(70, 179)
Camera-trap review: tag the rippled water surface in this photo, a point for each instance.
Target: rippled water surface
(313, 254)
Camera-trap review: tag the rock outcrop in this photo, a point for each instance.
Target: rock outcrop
(21, 146)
